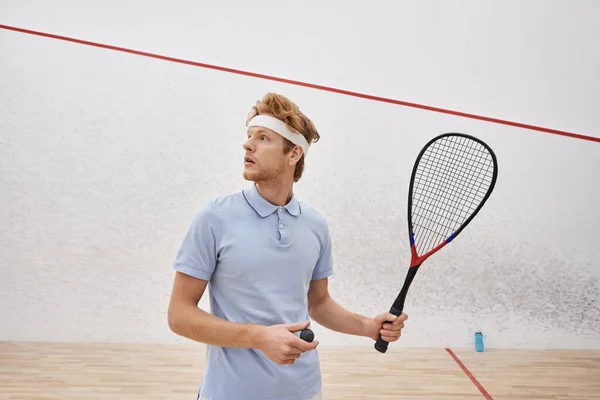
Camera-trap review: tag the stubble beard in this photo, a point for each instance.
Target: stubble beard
(261, 175)
(272, 175)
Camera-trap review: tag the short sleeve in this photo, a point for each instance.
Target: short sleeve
(324, 266)
(197, 255)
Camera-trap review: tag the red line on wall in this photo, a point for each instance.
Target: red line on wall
(309, 85)
(470, 375)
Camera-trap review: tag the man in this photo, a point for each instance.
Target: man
(267, 258)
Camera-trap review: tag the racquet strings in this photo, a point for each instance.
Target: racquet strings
(451, 180)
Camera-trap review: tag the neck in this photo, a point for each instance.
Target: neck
(278, 193)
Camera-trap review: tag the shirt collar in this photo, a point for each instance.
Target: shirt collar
(264, 207)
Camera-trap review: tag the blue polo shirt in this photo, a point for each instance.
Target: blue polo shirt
(259, 259)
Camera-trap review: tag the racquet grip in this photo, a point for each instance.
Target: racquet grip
(381, 345)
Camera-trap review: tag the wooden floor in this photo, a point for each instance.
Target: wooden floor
(161, 372)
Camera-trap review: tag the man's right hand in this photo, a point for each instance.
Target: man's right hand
(281, 345)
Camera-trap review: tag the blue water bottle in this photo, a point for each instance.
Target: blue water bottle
(478, 341)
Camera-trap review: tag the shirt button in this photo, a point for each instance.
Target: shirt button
(280, 226)
(280, 209)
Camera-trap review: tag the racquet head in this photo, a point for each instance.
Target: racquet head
(453, 176)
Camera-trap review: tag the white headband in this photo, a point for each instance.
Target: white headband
(280, 127)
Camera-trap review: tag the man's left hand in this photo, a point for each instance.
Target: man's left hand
(388, 325)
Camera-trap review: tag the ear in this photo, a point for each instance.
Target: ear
(295, 155)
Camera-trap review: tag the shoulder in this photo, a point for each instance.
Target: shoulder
(314, 217)
(218, 209)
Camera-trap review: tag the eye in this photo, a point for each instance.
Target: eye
(264, 138)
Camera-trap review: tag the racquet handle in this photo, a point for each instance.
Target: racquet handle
(381, 345)
(307, 335)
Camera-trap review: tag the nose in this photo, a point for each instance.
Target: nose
(248, 146)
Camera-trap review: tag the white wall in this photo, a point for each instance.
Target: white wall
(105, 156)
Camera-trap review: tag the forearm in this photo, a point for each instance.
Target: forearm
(331, 315)
(198, 325)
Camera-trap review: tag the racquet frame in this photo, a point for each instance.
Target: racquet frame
(416, 259)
